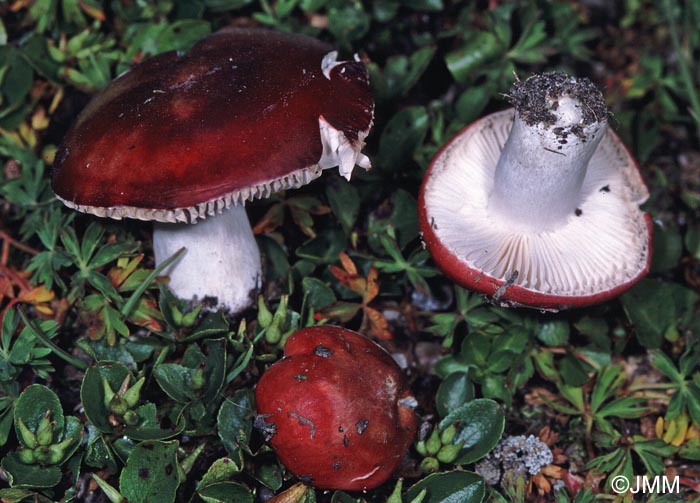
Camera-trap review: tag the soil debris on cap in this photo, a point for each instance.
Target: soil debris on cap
(536, 97)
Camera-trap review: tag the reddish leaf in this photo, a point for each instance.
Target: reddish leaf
(378, 325)
(372, 286)
(125, 267)
(147, 315)
(302, 218)
(347, 263)
(271, 220)
(92, 10)
(340, 311)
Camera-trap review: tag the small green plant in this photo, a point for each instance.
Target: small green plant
(166, 385)
(47, 439)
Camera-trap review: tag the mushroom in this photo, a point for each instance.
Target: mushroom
(539, 206)
(189, 138)
(336, 409)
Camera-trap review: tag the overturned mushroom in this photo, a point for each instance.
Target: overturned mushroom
(185, 138)
(539, 206)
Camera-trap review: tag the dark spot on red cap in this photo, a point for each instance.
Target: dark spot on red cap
(323, 351)
(361, 426)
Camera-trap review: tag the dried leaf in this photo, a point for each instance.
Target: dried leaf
(347, 263)
(378, 325)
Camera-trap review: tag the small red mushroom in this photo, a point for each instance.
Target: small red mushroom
(336, 409)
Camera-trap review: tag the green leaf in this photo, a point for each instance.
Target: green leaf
(574, 395)
(151, 473)
(344, 200)
(608, 382)
(668, 248)
(235, 422)
(181, 35)
(404, 132)
(654, 306)
(424, 5)
(17, 495)
(480, 424)
(92, 392)
(691, 450)
(665, 365)
(629, 407)
(21, 475)
(573, 371)
(317, 293)
(98, 453)
(527, 49)
(269, 472)
(553, 333)
(148, 427)
(32, 405)
(324, 248)
(398, 211)
(225, 492)
(449, 487)
(220, 471)
(18, 79)
(472, 102)
(226, 5)
(480, 49)
(176, 381)
(348, 23)
(454, 391)
(400, 73)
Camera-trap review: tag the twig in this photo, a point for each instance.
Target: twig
(79, 364)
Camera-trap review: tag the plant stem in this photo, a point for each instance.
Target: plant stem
(654, 385)
(79, 364)
(683, 65)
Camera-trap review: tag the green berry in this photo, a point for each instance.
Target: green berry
(429, 465)
(420, 448)
(26, 436)
(264, 314)
(449, 453)
(133, 394)
(448, 435)
(26, 456)
(433, 444)
(44, 433)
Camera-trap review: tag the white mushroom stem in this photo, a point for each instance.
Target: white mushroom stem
(222, 258)
(541, 169)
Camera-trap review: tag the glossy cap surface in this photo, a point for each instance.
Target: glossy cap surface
(338, 409)
(180, 137)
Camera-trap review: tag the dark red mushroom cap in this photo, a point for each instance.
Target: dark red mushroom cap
(338, 409)
(601, 251)
(180, 137)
